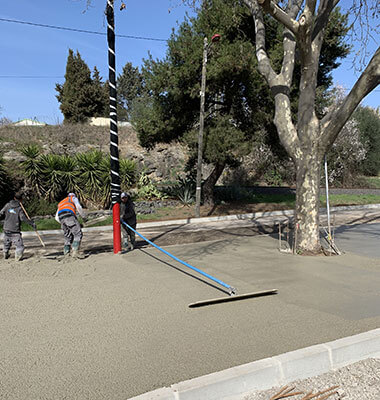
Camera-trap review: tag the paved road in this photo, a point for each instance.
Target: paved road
(360, 239)
(117, 326)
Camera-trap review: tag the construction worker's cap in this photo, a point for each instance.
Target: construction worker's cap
(124, 195)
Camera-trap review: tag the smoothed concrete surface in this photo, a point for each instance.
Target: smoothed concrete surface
(116, 326)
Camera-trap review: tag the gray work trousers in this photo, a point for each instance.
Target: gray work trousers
(128, 235)
(71, 230)
(13, 238)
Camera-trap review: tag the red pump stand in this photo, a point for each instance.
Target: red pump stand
(116, 228)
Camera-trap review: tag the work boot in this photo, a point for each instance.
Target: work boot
(66, 249)
(75, 247)
(18, 255)
(126, 244)
(6, 255)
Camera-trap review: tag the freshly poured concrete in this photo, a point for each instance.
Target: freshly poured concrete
(114, 326)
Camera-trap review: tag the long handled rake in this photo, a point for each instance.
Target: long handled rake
(27, 216)
(231, 291)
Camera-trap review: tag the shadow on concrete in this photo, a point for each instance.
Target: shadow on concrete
(192, 275)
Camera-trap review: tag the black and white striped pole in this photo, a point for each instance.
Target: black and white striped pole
(114, 138)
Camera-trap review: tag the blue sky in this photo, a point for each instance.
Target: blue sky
(41, 53)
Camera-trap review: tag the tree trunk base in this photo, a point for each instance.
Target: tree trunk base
(318, 252)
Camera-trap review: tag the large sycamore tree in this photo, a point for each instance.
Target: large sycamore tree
(306, 137)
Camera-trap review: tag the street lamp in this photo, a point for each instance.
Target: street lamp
(206, 48)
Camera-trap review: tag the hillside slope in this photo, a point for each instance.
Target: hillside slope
(164, 162)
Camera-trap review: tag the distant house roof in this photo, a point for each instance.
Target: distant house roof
(105, 121)
(29, 122)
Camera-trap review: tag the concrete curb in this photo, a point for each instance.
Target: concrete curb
(241, 217)
(236, 382)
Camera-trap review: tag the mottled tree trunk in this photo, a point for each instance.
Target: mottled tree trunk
(209, 184)
(308, 170)
(307, 140)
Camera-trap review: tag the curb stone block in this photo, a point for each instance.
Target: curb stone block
(354, 348)
(260, 374)
(210, 387)
(304, 363)
(230, 383)
(236, 382)
(159, 394)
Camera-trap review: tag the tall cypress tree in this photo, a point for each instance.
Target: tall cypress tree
(100, 95)
(80, 96)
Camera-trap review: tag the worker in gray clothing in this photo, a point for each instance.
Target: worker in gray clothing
(128, 215)
(66, 215)
(14, 214)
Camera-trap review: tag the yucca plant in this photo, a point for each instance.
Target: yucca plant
(4, 182)
(106, 177)
(33, 166)
(94, 178)
(127, 172)
(69, 174)
(59, 175)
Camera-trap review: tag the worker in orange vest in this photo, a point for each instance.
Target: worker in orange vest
(67, 216)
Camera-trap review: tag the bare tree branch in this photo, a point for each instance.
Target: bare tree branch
(279, 14)
(324, 10)
(334, 121)
(264, 64)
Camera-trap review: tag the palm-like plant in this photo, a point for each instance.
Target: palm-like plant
(4, 181)
(33, 166)
(68, 171)
(127, 172)
(93, 172)
(59, 175)
(106, 190)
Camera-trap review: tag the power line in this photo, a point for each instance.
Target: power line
(30, 77)
(61, 77)
(79, 30)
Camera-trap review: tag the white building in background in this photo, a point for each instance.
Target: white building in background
(104, 121)
(29, 122)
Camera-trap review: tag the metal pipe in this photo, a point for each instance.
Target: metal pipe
(200, 134)
(327, 199)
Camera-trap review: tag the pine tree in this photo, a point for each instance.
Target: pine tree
(239, 104)
(80, 96)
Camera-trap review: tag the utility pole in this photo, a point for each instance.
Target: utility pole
(114, 137)
(200, 134)
(206, 48)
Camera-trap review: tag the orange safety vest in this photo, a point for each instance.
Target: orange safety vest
(66, 206)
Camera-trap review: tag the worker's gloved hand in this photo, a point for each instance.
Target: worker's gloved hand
(34, 225)
(85, 220)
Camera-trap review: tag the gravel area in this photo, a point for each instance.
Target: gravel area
(358, 381)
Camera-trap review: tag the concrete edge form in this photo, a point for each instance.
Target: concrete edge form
(236, 382)
(284, 213)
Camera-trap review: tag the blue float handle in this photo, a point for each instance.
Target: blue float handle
(230, 288)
